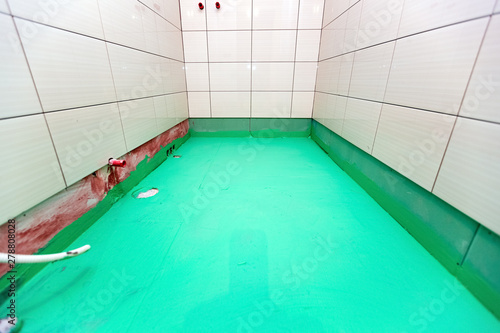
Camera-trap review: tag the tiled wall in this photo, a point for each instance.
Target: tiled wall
(82, 81)
(251, 58)
(416, 84)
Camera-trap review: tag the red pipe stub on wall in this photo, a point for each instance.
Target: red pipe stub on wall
(117, 163)
(200, 5)
(217, 5)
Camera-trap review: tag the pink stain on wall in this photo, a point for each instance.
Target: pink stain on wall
(37, 226)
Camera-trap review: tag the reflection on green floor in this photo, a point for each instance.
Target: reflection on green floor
(249, 235)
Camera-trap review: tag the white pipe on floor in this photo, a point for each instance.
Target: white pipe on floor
(33, 259)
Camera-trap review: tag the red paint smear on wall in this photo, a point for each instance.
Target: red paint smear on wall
(37, 226)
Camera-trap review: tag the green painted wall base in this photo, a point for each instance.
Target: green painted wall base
(246, 127)
(68, 235)
(466, 249)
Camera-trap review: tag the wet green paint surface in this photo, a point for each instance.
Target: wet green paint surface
(249, 235)
(61, 241)
(448, 234)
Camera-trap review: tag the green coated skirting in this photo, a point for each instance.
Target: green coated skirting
(249, 235)
(245, 127)
(449, 235)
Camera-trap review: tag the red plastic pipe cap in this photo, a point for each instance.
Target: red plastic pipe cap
(201, 5)
(117, 163)
(217, 5)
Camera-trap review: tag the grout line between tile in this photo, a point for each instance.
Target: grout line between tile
(461, 103)
(140, 1)
(116, 96)
(403, 37)
(184, 60)
(345, 11)
(409, 107)
(96, 38)
(317, 60)
(295, 59)
(251, 68)
(383, 98)
(208, 62)
(39, 101)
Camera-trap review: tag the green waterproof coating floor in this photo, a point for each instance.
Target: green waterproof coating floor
(249, 235)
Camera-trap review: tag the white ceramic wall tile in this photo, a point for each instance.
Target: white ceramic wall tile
(311, 14)
(271, 104)
(86, 138)
(17, 91)
(334, 8)
(171, 12)
(332, 38)
(136, 74)
(154, 5)
(195, 46)
(81, 16)
(430, 70)
(335, 117)
(151, 29)
(439, 13)
(170, 39)
(482, 100)
(122, 22)
(3, 7)
(277, 45)
(327, 75)
(23, 185)
(165, 112)
(379, 22)
(179, 103)
(161, 37)
(412, 142)
(344, 77)
(370, 72)
(230, 76)
(230, 104)
(469, 178)
(305, 76)
(232, 15)
(69, 70)
(161, 113)
(307, 45)
(272, 76)
(352, 27)
(197, 76)
(168, 9)
(192, 18)
(173, 76)
(199, 104)
(319, 107)
(360, 123)
(340, 36)
(346, 63)
(139, 121)
(302, 104)
(229, 46)
(330, 111)
(277, 14)
(175, 111)
(334, 75)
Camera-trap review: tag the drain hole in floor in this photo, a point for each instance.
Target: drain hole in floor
(143, 193)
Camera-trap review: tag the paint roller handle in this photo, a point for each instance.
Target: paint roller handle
(34, 259)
